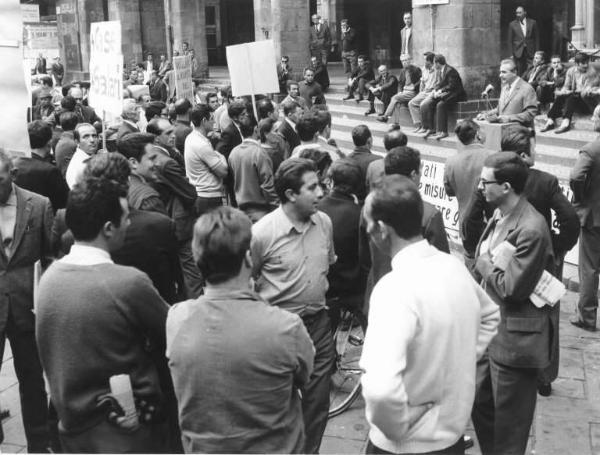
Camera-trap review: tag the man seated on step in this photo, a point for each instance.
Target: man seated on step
(580, 92)
(359, 78)
(384, 87)
(408, 87)
(552, 80)
(518, 101)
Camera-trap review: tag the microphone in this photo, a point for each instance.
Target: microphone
(486, 92)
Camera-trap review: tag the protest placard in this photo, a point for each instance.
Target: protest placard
(183, 77)
(106, 67)
(252, 68)
(13, 90)
(433, 191)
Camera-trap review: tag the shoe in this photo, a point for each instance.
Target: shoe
(382, 118)
(370, 111)
(562, 129)
(425, 134)
(440, 136)
(545, 390)
(347, 97)
(468, 442)
(359, 99)
(547, 127)
(580, 324)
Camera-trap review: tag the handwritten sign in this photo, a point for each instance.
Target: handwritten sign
(433, 191)
(183, 77)
(106, 67)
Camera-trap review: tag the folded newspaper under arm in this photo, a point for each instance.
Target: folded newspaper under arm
(548, 290)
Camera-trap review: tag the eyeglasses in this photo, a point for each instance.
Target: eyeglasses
(484, 182)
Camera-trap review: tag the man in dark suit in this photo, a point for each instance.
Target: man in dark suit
(553, 79)
(130, 116)
(359, 78)
(291, 114)
(349, 46)
(86, 114)
(409, 81)
(585, 183)
(383, 87)
(284, 73)
(446, 93)
(231, 136)
(320, 39)
(37, 173)
(406, 46)
(321, 73)
(362, 155)
(518, 101)
(158, 88)
(537, 70)
(25, 224)
(523, 39)
(507, 376)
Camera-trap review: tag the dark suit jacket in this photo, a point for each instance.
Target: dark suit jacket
(124, 129)
(321, 74)
(320, 39)
(230, 138)
(283, 76)
(158, 90)
(409, 75)
(31, 243)
(365, 73)
(585, 183)
(37, 175)
(389, 87)
(524, 334)
(538, 74)
(86, 114)
(559, 80)
(363, 156)
(451, 85)
(150, 246)
(403, 34)
(289, 134)
(519, 44)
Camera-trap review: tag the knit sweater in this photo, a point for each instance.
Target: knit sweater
(93, 322)
(421, 348)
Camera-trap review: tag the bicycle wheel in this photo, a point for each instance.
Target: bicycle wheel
(345, 381)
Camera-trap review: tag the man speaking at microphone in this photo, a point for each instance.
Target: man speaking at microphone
(517, 103)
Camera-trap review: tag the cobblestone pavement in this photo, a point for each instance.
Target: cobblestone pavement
(568, 422)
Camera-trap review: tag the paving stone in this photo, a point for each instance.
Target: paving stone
(566, 387)
(332, 444)
(591, 361)
(561, 435)
(571, 364)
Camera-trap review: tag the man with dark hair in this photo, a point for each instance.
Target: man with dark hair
(461, 177)
(308, 132)
(182, 123)
(212, 101)
(252, 173)
(158, 88)
(429, 79)
(231, 136)
(359, 78)
(552, 80)
(447, 92)
(507, 377)
(326, 143)
(408, 86)
(154, 109)
(346, 277)
(292, 249)
(406, 34)
(284, 73)
(291, 114)
(321, 75)
(434, 334)
(537, 70)
(257, 408)
(66, 145)
(310, 90)
(205, 167)
(393, 138)
(523, 39)
(362, 155)
(518, 101)
(349, 47)
(293, 91)
(86, 137)
(585, 183)
(581, 91)
(96, 320)
(25, 225)
(36, 173)
(142, 156)
(384, 87)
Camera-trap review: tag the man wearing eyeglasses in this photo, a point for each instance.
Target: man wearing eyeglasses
(284, 73)
(507, 377)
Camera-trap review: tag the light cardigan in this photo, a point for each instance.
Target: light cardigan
(429, 322)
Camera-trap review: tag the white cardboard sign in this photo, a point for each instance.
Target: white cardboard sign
(252, 68)
(183, 77)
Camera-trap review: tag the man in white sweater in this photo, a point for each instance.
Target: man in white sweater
(429, 322)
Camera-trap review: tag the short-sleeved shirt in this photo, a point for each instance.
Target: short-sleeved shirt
(290, 264)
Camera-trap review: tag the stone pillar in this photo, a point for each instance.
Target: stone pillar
(327, 10)
(287, 23)
(189, 24)
(590, 23)
(128, 12)
(578, 30)
(89, 11)
(456, 30)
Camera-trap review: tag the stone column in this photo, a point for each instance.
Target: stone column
(128, 12)
(188, 21)
(467, 33)
(89, 11)
(578, 30)
(590, 14)
(327, 10)
(287, 23)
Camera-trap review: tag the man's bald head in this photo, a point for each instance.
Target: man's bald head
(130, 110)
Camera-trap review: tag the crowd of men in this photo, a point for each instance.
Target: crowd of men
(205, 252)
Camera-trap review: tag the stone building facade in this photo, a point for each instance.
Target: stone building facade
(471, 33)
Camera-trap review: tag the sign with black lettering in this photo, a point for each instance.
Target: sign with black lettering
(106, 67)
